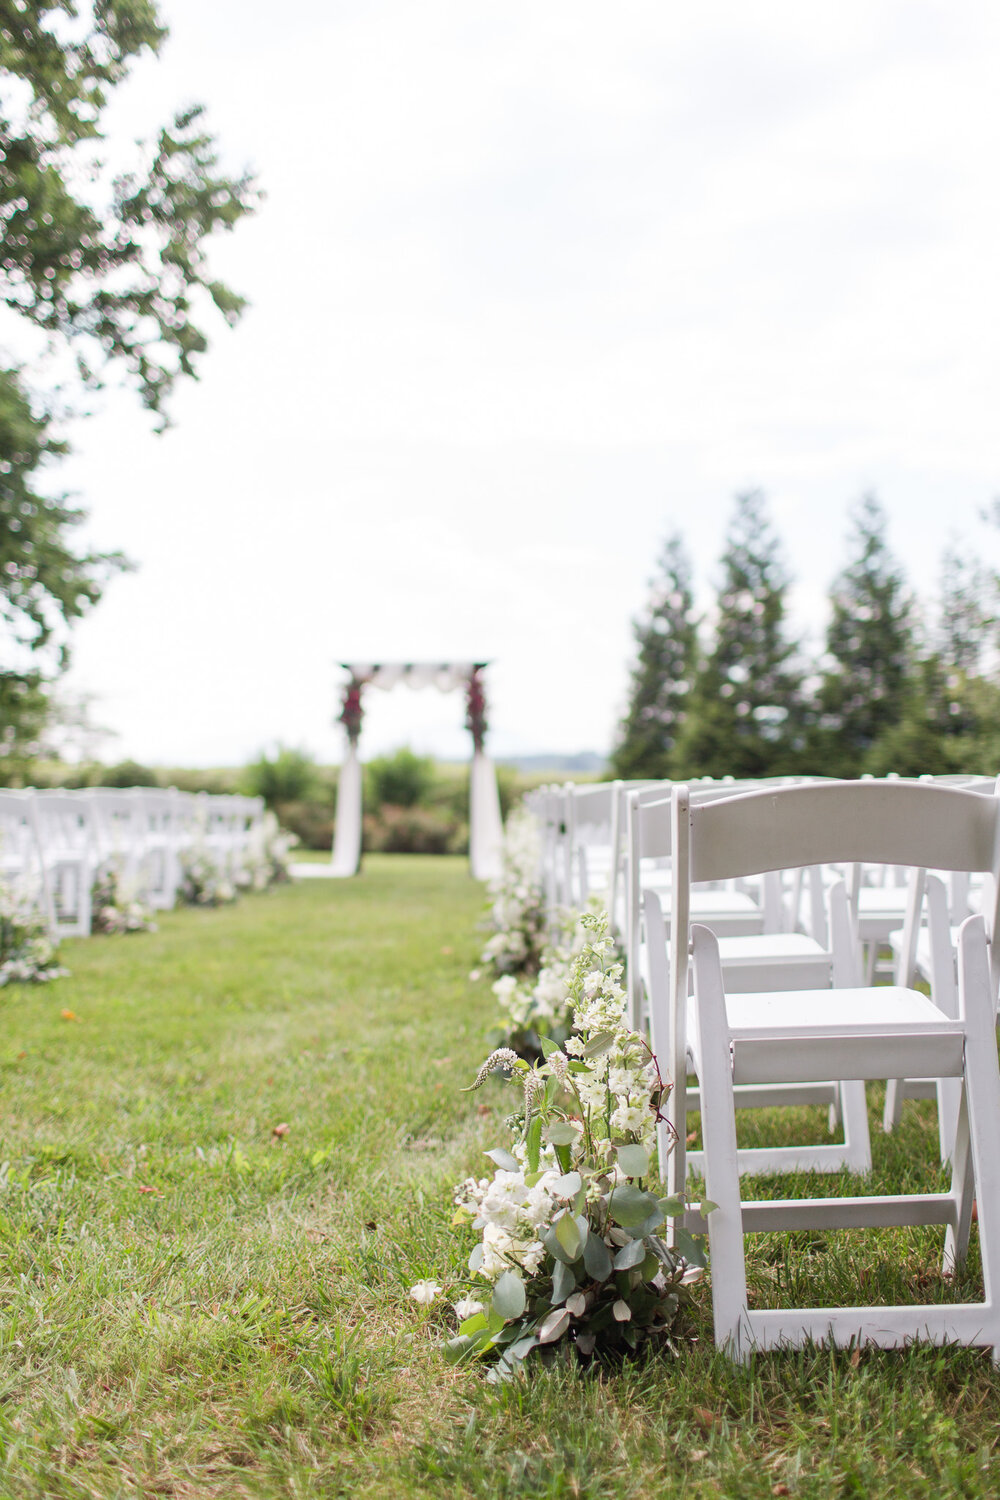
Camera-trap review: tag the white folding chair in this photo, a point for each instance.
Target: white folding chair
(858, 1032)
(752, 963)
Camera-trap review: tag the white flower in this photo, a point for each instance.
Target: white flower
(467, 1307)
(425, 1292)
(621, 1312)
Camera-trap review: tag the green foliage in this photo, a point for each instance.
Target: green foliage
(666, 639)
(402, 779)
(414, 830)
(114, 272)
(867, 686)
(127, 773)
(745, 714)
(286, 776)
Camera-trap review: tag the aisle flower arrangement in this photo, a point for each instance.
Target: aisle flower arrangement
(570, 1254)
(114, 908)
(517, 912)
(202, 882)
(267, 860)
(537, 1007)
(27, 956)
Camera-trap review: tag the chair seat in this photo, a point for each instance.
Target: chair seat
(787, 1013)
(804, 1035)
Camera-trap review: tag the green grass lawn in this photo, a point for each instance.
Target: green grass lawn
(196, 1306)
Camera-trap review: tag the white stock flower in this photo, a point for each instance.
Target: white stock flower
(425, 1292)
(467, 1307)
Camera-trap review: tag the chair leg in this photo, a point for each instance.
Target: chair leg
(963, 1190)
(718, 1123)
(892, 1115)
(857, 1139)
(982, 1095)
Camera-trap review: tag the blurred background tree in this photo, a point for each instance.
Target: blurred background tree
(111, 270)
(746, 712)
(666, 638)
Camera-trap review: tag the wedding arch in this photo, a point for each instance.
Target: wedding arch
(485, 826)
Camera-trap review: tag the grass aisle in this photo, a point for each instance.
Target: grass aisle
(196, 1306)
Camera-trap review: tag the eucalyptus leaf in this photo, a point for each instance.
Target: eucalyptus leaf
(597, 1258)
(562, 1133)
(457, 1349)
(563, 1282)
(502, 1159)
(690, 1248)
(522, 1347)
(554, 1326)
(631, 1207)
(568, 1185)
(673, 1206)
(568, 1235)
(632, 1254)
(475, 1324)
(600, 1042)
(475, 1258)
(708, 1207)
(551, 1242)
(509, 1297)
(633, 1160)
(583, 1228)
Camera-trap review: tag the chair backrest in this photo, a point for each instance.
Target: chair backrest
(917, 824)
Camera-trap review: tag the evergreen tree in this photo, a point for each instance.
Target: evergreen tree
(666, 640)
(869, 680)
(745, 716)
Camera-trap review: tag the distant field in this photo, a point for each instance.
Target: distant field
(195, 1306)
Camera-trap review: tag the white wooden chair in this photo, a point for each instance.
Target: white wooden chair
(761, 961)
(66, 838)
(858, 1032)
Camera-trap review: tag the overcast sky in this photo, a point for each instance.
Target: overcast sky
(533, 285)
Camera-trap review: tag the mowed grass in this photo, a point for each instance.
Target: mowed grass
(194, 1305)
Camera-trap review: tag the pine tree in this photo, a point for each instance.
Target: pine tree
(745, 716)
(869, 680)
(666, 640)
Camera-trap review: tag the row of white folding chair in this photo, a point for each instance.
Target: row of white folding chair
(861, 1032)
(54, 842)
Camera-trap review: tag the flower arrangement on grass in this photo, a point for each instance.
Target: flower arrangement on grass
(517, 912)
(202, 882)
(114, 908)
(539, 1006)
(569, 1222)
(267, 861)
(27, 955)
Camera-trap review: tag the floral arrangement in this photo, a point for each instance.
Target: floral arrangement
(27, 956)
(202, 882)
(351, 713)
(569, 1222)
(537, 1006)
(475, 707)
(517, 913)
(114, 909)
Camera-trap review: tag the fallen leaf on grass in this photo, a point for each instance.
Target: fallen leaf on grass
(145, 1188)
(855, 1358)
(282, 1129)
(447, 950)
(69, 1015)
(697, 1454)
(484, 1109)
(780, 1489)
(707, 1420)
